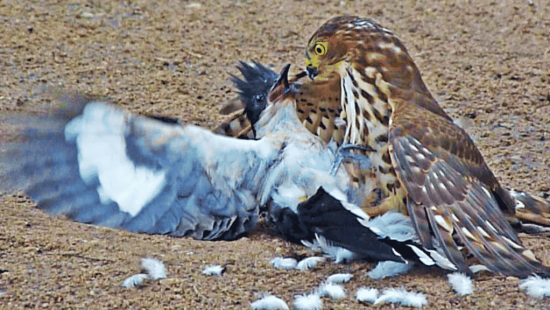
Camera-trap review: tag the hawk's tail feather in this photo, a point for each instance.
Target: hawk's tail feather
(488, 243)
(531, 208)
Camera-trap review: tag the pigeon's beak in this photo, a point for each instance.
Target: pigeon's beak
(301, 75)
(283, 79)
(281, 87)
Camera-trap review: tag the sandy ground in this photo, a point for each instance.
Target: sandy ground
(487, 61)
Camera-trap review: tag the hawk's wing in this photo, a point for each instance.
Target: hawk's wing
(452, 192)
(108, 167)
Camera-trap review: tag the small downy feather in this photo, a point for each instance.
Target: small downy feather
(135, 280)
(536, 287)
(461, 283)
(387, 269)
(339, 278)
(269, 302)
(309, 263)
(478, 268)
(213, 270)
(369, 295)
(284, 263)
(334, 291)
(154, 267)
(401, 296)
(340, 255)
(308, 302)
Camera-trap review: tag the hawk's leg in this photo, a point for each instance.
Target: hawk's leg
(346, 153)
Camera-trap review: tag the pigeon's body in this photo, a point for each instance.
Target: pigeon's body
(111, 168)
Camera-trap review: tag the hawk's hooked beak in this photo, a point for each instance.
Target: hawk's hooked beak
(311, 69)
(312, 72)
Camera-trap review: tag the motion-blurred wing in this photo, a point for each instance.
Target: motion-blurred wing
(111, 168)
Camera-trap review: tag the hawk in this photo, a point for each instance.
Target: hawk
(98, 164)
(424, 165)
(427, 166)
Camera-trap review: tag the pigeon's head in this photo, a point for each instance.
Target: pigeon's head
(254, 88)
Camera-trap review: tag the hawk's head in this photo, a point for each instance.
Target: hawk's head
(349, 41)
(374, 54)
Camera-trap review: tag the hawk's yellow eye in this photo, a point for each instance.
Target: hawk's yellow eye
(320, 48)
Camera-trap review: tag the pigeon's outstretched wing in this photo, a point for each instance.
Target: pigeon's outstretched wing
(96, 163)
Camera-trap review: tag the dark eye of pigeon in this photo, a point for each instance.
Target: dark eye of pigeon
(259, 98)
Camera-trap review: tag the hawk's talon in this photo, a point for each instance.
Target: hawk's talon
(344, 152)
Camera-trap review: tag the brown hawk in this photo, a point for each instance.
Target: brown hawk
(365, 85)
(427, 165)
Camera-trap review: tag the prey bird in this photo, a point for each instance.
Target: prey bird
(424, 165)
(98, 164)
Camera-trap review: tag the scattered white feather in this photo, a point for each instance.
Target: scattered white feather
(154, 267)
(401, 296)
(308, 302)
(339, 278)
(536, 287)
(285, 263)
(312, 246)
(214, 270)
(340, 255)
(461, 283)
(369, 295)
(388, 269)
(478, 268)
(309, 263)
(135, 280)
(334, 291)
(269, 302)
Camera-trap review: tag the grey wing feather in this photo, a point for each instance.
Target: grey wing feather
(111, 168)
